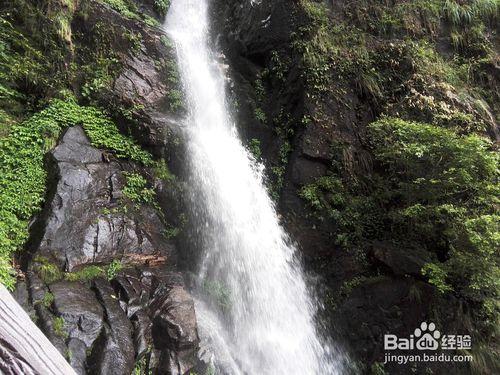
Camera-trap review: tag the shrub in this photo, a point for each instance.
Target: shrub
(432, 189)
(254, 147)
(444, 194)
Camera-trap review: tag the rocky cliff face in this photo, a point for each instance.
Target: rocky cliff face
(100, 272)
(309, 79)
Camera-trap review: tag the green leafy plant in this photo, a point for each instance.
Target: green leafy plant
(162, 172)
(218, 292)
(47, 271)
(113, 269)
(162, 6)
(254, 147)
(175, 100)
(47, 300)
(125, 7)
(260, 115)
(136, 189)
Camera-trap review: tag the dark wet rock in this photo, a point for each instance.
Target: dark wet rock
(382, 305)
(80, 309)
(84, 223)
(174, 327)
(117, 352)
(305, 171)
(77, 351)
(142, 332)
(22, 296)
(140, 90)
(106, 326)
(402, 261)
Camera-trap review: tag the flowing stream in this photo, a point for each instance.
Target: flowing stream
(257, 315)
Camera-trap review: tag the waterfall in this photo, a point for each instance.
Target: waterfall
(262, 321)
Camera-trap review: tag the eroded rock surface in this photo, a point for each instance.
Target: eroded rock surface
(104, 323)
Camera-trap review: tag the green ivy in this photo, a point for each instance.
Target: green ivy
(113, 269)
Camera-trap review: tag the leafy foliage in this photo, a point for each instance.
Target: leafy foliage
(136, 189)
(129, 9)
(47, 300)
(31, 52)
(254, 147)
(433, 189)
(162, 6)
(220, 294)
(113, 269)
(104, 134)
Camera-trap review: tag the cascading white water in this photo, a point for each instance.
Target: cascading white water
(268, 325)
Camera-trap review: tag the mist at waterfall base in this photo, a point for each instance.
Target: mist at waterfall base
(266, 323)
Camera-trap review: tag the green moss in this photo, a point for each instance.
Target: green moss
(59, 326)
(91, 272)
(86, 273)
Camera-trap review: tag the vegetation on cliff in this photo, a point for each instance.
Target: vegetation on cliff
(39, 76)
(385, 156)
(428, 175)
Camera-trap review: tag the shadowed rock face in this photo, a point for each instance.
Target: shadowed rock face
(361, 309)
(144, 80)
(104, 326)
